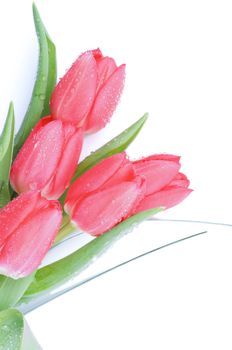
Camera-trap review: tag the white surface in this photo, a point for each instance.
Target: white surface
(176, 298)
(178, 56)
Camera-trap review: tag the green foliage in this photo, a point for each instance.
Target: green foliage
(44, 84)
(6, 150)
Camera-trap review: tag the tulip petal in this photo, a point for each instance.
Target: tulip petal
(97, 54)
(124, 173)
(113, 205)
(73, 96)
(93, 179)
(35, 163)
(42, 122)
(27, 246)
(105, 68)
(158, 173)
(180, 180)
(167, 198)
(16, 212)
(25, 152)
(106, 101)
(162, 156)
(67, 164)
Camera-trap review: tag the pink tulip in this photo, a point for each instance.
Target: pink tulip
(28, 226)
(105, 195)
(89, 92)
(165, 185)
(48, 158)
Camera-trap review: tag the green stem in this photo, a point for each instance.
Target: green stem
(65, 230)
(65, 220)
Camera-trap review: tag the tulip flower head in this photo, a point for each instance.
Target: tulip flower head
(116, 188)
(165, 185)
(28, 226)
(105, 195)
(48, 158)
(89, 92)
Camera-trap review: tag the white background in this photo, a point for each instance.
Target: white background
(179, 69)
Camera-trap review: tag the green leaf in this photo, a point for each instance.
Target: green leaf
(12, 290)
(44, 84)
(59, 272)
(116, 145)
(11, 329)
(15, 333)
(52, 75)
(6, 149)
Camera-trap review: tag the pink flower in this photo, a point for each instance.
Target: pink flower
(89, 92)
(48, 158)
(28, 226)
(105, 195)
(165, 185)
(116, 188)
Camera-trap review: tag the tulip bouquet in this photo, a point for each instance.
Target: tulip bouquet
(45, 195)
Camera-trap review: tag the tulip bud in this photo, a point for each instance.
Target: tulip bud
(89, 92)
(28, 226)
(105, 195)
(48, 158)
(165, 185)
